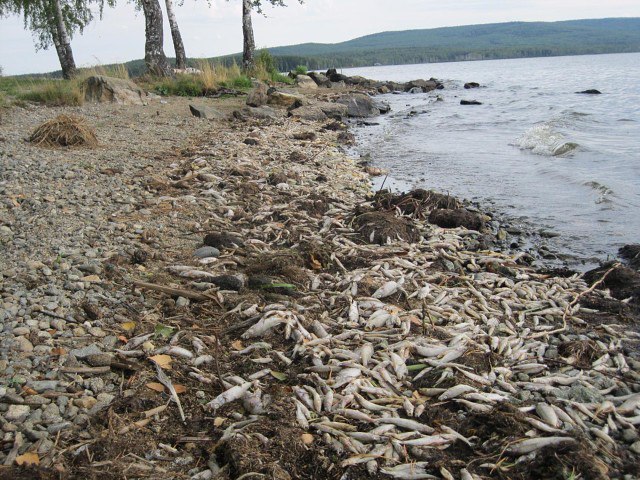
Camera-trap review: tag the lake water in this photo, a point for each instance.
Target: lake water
(534, 151)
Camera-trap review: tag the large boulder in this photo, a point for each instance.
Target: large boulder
(306, 82)
(282, 99)
(333, 110)
(424, 85)
(336, 77)
(359, 105)
(258, 96)
(208, 113)
(320, 79)
(264, 112)
(308, 112)
(101, 89)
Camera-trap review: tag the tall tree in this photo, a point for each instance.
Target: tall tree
(53, 22)
(249, 44)
(154, 57)
(178, 46)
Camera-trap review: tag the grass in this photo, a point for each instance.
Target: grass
(53, 92)
(301, 70)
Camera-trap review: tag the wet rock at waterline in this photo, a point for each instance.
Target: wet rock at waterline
(453, 218)
(470, 102)
(591, 91)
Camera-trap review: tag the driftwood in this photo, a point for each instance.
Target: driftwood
(174, 291)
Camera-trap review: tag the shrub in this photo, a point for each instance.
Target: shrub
(241, 81)
(301, 70)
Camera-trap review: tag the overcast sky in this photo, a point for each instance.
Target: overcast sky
(215, 29)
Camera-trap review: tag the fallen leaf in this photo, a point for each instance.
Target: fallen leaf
(123, 339)
(128, 326)
(218, 421)
(163, 330)
(58, 351)
(307, 438)
(279, 375)
(163, 361)
(237, 345)
(180, 388)
(29, 391)
(27, 459)
(158, 387)
(315, 264)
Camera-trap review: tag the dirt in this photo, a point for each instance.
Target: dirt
(378, 227)
(418, 202)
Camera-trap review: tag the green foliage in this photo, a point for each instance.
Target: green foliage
(181, 86)
(301, 70)
(265, 60)
(240, 82)
(278, 77)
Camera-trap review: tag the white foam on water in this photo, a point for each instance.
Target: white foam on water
(544, 140)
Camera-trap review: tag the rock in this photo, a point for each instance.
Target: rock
(309, 112)
(85, 402)
(24, 345)
(424, 85)
(263, 112)
(333, 110)
(591, 91)
(311, 136)
(336, 77)
(635, 448)
(205, 112)
(43, 385)
(469, 85)
(182, 302)
(384, 107)
(206, 252)
(631, 253)
(415, 90)
(222, 240)
(258, 96)
(282, 99)
(359, 105)
(102, 89)
(251, 141)
(470, 102)
(99, 359)
(453, 218)
(228, 282)
(384, 89)
(306, 82)
(84, 352)
(320, 79)
(17, 413)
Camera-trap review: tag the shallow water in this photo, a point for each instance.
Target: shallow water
(535, 150)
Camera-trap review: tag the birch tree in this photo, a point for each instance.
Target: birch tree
(154, 57)
(178, 46)
(53, 22)
(248, 43)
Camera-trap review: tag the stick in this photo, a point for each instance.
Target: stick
(173, 291)
(573, 303)
(167, 383)
(85, 369)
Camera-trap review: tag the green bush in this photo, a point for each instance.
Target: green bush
(181, 86)
(301, 70)
(278, 77)
(265, 61)
(241, 82)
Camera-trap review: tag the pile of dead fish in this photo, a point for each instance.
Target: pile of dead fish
(384, 344)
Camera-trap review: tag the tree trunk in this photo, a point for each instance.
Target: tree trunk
(154, 56)
(249, 44)
(62, 41)
(178, 46)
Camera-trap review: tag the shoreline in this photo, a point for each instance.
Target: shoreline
(337, 351)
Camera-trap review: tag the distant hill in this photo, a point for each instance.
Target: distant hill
(452, 44)
(471, 42)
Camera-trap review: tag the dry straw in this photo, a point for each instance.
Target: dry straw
(65, 131)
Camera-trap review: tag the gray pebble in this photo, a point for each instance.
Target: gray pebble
(206, 252)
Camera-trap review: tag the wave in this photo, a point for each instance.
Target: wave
(544, 140)
(602, 190)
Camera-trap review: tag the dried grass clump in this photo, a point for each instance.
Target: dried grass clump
(65, 131)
